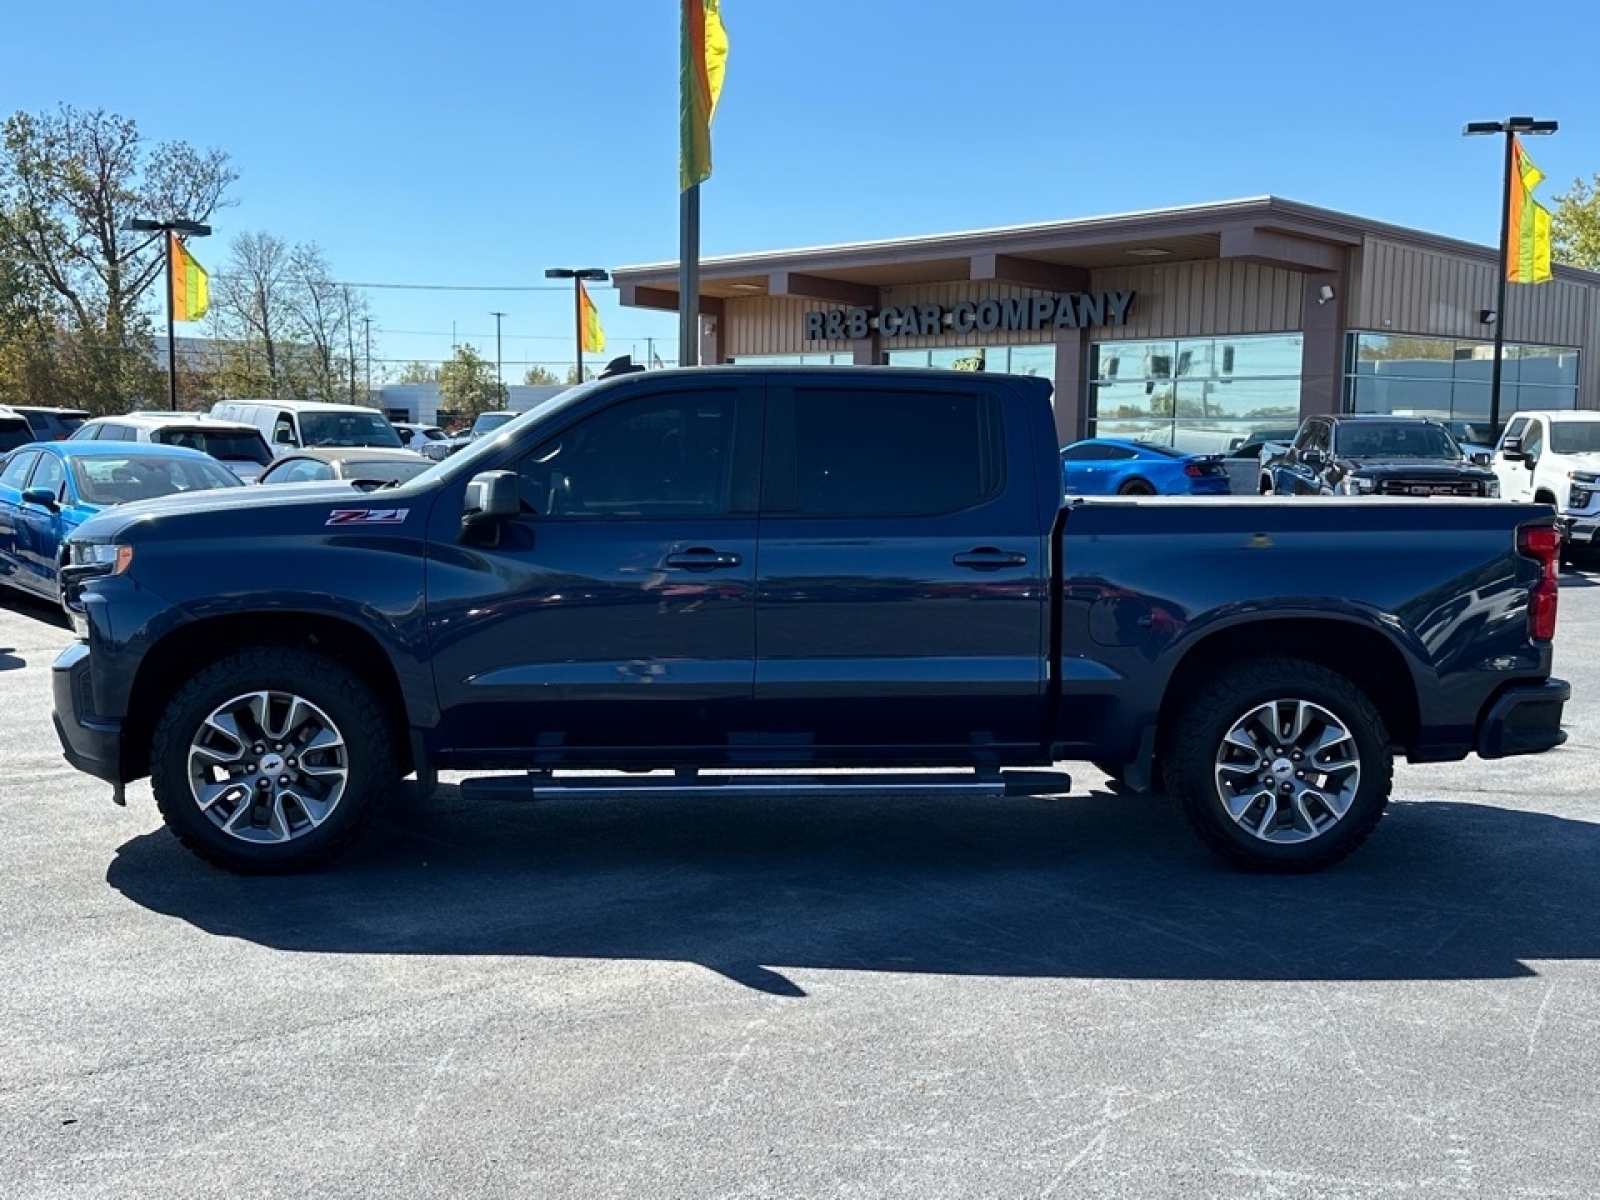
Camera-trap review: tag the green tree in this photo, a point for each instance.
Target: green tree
(540, 375)
(419, 372)
(467, 384)
(68, 181)
(1575, 225)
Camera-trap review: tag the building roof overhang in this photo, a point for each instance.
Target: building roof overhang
(1053, 256)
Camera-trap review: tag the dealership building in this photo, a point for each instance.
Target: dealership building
(1193, 325)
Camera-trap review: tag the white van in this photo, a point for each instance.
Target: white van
(291, 424)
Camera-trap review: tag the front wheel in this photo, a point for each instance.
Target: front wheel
(1280, 765)
(271, 760)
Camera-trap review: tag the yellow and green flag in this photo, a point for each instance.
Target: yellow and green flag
(705, 61)
(1528, 250)
(191, 290)
(594, 338)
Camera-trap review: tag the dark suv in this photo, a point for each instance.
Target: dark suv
(51, 424)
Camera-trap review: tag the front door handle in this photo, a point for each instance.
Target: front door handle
(987, 558)
(702, 559)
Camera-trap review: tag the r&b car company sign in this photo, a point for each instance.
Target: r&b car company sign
(1023, 314)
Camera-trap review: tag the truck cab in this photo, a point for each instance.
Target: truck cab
(1554, 458)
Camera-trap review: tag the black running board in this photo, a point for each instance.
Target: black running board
(545, 785)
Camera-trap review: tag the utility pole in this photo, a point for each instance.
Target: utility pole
(350, 343)
(367, 321)
(499, 378)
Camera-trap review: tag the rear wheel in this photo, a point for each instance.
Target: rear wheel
(1280, 765)
(1136, 487)
(271, 760)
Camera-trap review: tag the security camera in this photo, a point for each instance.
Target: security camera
(1325, 293)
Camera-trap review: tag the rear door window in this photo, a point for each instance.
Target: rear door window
(16, 469)
(886, 453)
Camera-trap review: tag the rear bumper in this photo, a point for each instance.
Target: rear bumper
(1525, 719)
(91, 744)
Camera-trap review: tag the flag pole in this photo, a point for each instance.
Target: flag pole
(1500, 301)
(689, 277)
(172, 339)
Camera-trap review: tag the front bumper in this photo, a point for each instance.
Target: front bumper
(91, 744)
(1581, 531)
(1525, 719)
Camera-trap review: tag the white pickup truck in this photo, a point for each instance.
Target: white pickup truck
(1554, 458)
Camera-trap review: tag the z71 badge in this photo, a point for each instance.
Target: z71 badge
(367, 516)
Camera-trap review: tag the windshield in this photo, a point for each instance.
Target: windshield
(490, 421)
(467, 460)
(354, 428)
(1374, 439)
(121, 478)
(1574, 437)
(243, 445)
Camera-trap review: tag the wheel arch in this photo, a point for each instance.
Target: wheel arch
(1361, 654)
(177, 657)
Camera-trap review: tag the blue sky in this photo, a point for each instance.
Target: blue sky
(476, 143)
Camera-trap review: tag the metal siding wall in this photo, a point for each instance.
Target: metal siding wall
(774, 325)
(1202, 299)
(1405, 289)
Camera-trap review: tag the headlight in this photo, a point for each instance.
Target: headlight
(1578, 497)
(1492, 489)
(111, 558)
(1355, 485)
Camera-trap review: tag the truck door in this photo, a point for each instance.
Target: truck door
(1516, 480)
(619, 609)
(902, 592)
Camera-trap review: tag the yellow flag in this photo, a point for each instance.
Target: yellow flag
(1528, 248)
(703, 47)
(191, 289)
(594, 338)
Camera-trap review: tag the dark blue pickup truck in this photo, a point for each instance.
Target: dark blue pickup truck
(762, 569)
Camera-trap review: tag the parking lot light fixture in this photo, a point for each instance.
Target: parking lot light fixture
(1510, 128)
(168, 230)
(578, 275)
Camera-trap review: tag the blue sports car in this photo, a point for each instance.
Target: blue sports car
(48, 489)
(1114, 467)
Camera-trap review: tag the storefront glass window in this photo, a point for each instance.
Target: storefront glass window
(1203, 395)
(1014, 360)
(1449, 379)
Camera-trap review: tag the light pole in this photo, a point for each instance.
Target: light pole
(594, 275)
(499, 375)
(170, 229)
(367, 321)
(1510, 127)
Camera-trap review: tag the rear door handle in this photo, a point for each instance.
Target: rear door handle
(987, 558)
(699, 559)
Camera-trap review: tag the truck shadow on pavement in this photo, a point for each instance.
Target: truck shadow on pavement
(1095, 886)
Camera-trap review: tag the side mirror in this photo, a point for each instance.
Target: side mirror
(284, 437)
(1511, 450)
(1482, 458)
(43, 497)
(491, 496)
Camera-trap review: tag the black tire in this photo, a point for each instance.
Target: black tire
(1303, 829)
(359, 755)
(1136, 487)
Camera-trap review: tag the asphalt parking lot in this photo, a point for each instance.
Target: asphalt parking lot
(1057, 997)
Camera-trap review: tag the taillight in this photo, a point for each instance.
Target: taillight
(1543, 544)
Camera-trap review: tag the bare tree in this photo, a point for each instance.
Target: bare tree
(68, 182)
